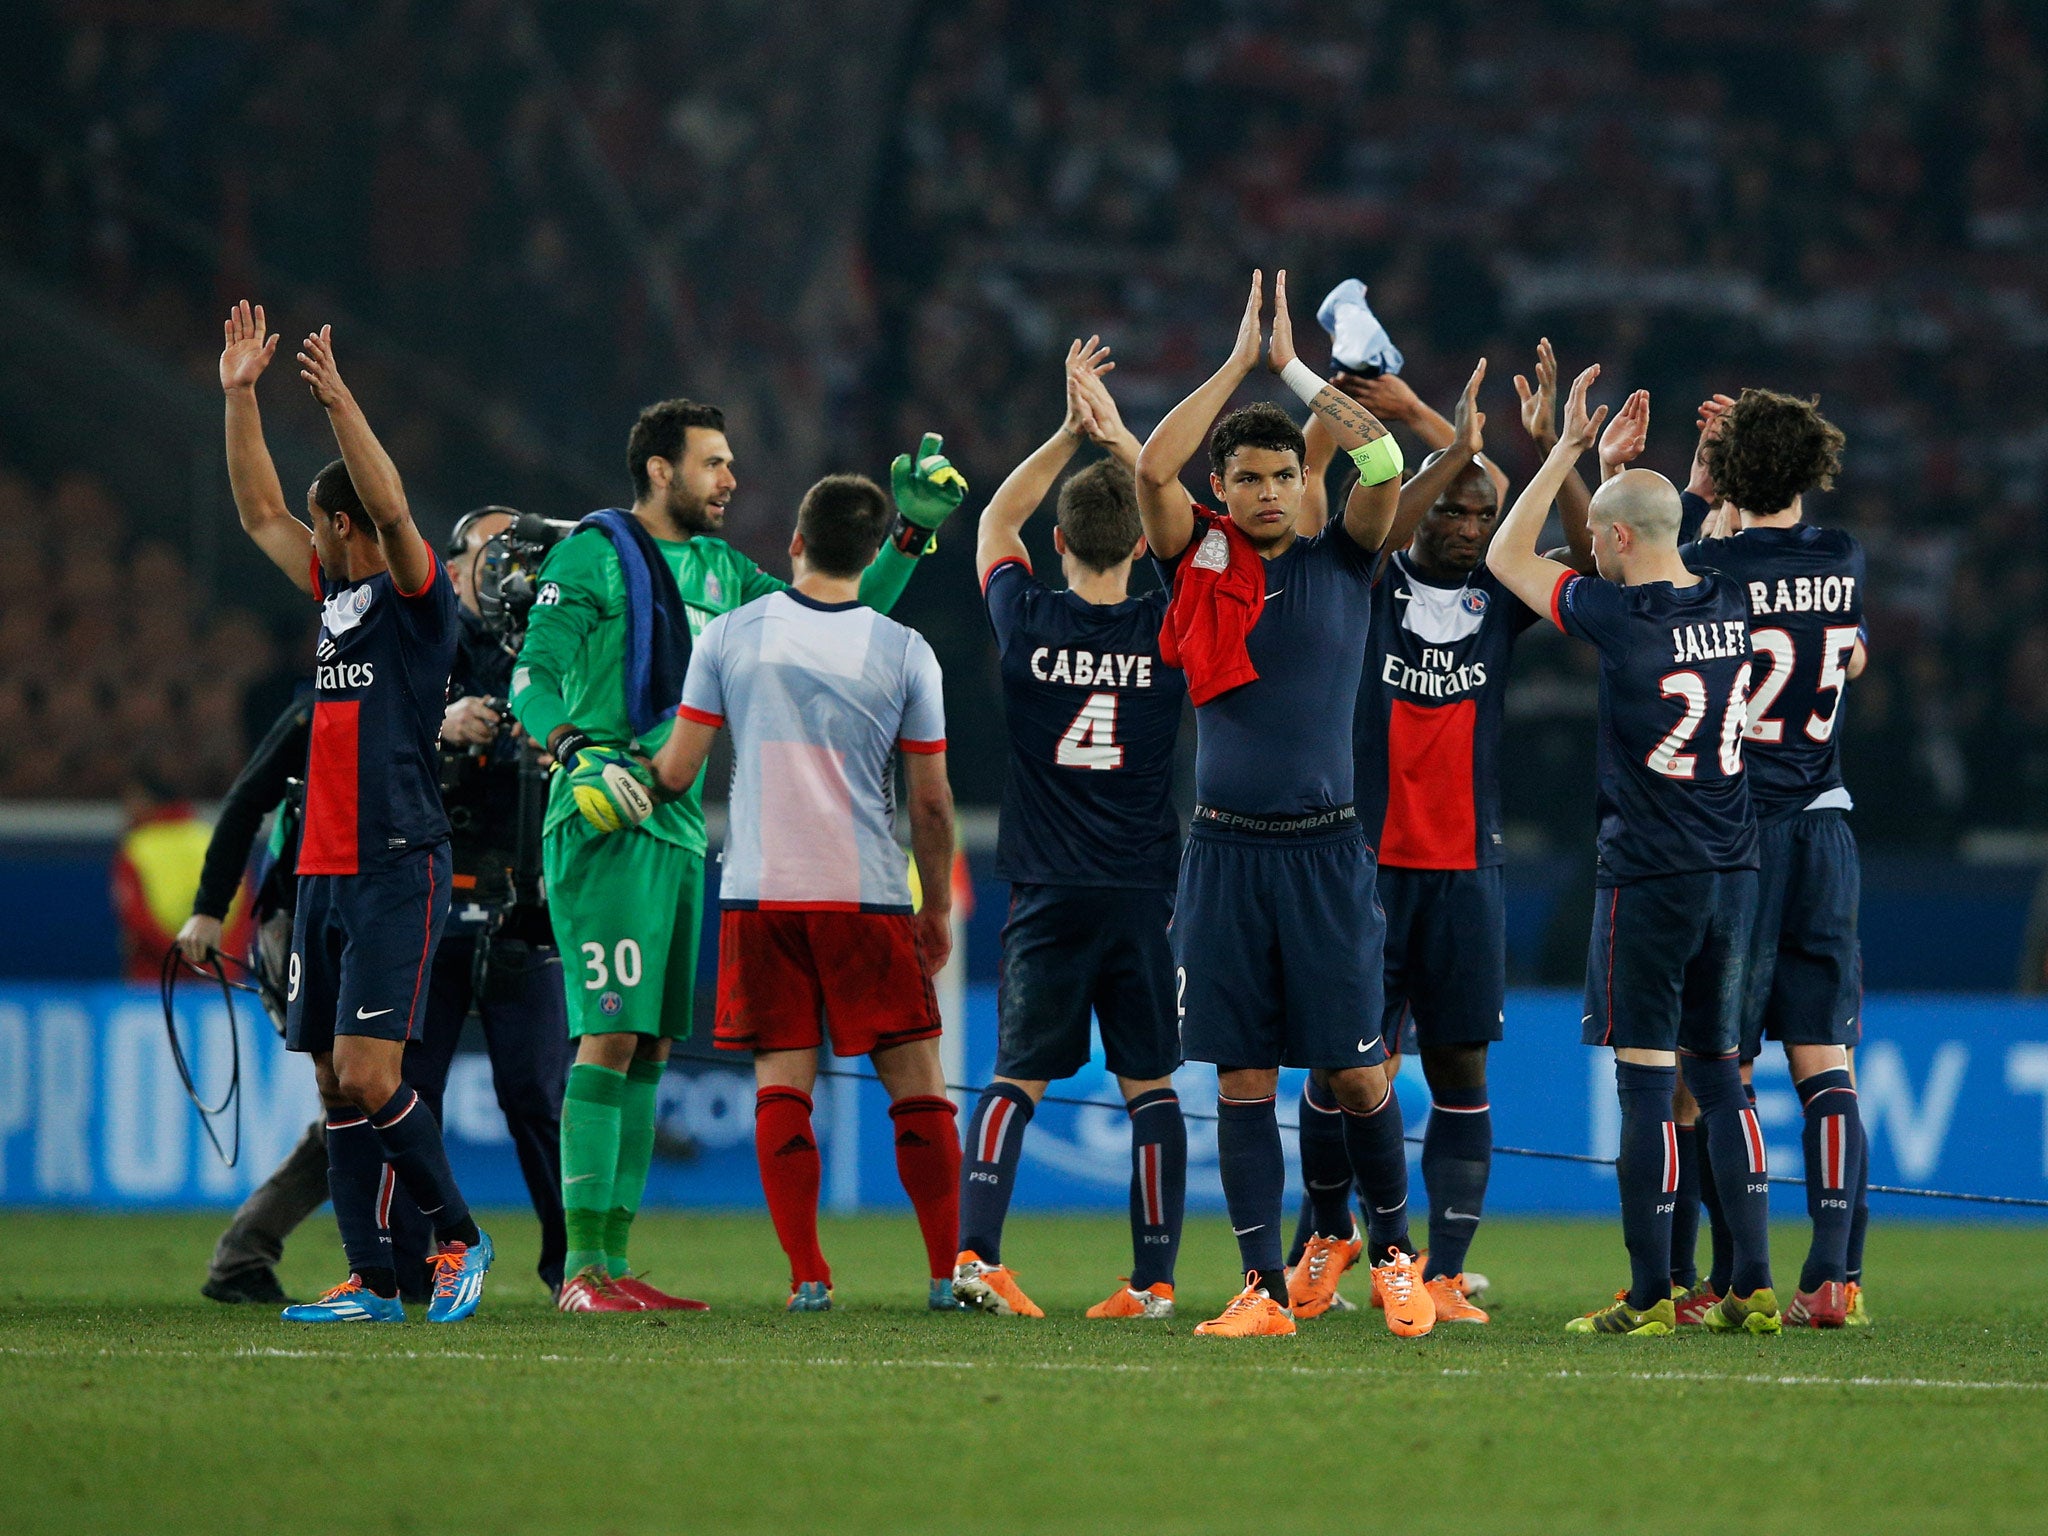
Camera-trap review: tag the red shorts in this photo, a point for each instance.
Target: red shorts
(785, 977)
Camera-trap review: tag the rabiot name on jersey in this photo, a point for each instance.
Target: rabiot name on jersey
(1803, 594)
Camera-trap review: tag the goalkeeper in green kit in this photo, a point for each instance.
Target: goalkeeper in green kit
(598, 680)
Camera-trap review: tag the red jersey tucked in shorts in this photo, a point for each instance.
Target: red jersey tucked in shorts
(787, 977)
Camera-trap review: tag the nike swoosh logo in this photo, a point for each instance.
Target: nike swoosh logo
(363, 1013)
(1363, 1046)
(1275, 592)
(1451, 1214)
(1402, 595)
(1241, 1231)
(1340, 1184)
(579, 1178)
(1584, 1018)
(1388, 1210)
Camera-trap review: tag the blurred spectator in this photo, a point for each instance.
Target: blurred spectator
(156, 871)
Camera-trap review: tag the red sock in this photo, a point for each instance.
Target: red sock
(928, 1163)
(788, 1154)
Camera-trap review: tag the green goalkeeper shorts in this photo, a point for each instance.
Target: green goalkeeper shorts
(627, 909)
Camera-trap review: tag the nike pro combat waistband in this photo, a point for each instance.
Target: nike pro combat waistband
(1307, 824)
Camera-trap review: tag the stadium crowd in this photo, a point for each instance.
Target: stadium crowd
(559, 225)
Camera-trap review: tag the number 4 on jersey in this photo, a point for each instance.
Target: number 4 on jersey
(1090, 741)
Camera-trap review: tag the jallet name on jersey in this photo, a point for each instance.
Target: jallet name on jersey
(1709, 642)
(1089, 669)
(1437, 678)
(1803, 594)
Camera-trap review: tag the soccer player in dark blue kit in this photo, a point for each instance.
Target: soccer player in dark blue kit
(373, 851)
(1428, 743)
(1277, 934)
(1089, 842)
(1675, 875)
(1805, 590)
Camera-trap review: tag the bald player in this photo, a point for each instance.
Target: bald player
(1675, 879)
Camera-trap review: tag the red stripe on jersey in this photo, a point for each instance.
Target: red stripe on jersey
(925, 748)
(1557, 596)
(327, 846)
(989, 575)
(433, 565)
(699, 716)
(1431, 822)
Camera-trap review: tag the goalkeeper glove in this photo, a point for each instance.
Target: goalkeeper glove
(927, 487)
(611, 789)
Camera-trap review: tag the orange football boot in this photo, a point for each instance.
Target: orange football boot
(1447, 1294)
(1397, 1287)
(991, 1287)
(1156, 1300)
(1251, 1314)
(1312, 1284)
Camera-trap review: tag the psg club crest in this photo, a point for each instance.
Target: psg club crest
(1472, 600)
(714, 589)
(610, 1004)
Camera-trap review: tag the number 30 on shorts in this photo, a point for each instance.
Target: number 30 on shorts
(625, 963)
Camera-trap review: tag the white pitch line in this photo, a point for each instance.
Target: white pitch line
(735, 1362)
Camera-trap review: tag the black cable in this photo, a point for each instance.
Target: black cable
(1555, 1157)
(167, 987)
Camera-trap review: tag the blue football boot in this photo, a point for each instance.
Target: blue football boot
(459, 1279)
(810, 1296)
(942, 1298)
(349, 1302)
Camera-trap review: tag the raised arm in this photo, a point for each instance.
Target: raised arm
(1164, 506)
(1369, 511)
(259, 498)
(1512, 554)
(1574, 501)
(370, 468)
(931, 845)
(1000, 535)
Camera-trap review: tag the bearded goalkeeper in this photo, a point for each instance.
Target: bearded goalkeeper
(598, 680)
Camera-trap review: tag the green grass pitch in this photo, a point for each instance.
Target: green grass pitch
(128, 1403)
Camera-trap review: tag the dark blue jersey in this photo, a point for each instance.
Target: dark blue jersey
(379, 679)
(1093, 714)
(1805, 590)
(1429, 717)
(1281, 746)
(1674, 681)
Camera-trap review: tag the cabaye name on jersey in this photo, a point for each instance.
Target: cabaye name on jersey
(1090, 669)
(1803, 594)
(1438, 677)
(1709, 642)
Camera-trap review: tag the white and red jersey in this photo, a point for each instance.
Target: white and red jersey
(818, 697)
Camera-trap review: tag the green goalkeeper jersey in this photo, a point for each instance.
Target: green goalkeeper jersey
(571, 669)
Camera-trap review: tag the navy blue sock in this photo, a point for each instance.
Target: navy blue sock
(1304, 1229)
(1325, 1165)
(1736, 1143)
(988, 1168)
(1859, 1216)
(1379, 1162)
(357, 1184)
(1833, 1143)
(1722, 1263)
(1159, 1185)
(411, 1138)
(1647, 1172)
(1457, 1158)
(1254, 1173)
(1685, 1217)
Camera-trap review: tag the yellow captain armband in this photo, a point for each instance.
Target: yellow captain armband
(1378, 461)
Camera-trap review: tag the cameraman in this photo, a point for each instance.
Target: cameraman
(497, 955)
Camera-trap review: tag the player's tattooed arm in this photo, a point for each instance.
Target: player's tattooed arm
(247, 348)
(370, 468)
(931, 845)
(1000, 535)
(1164, 506)
(1512, 555)
(1574, 501)
(1369, 510)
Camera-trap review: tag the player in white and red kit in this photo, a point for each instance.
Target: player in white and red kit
(819, 692)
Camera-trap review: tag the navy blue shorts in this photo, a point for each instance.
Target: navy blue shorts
(363, 951)
(1805, 961)
(1665, 968)
(1280, 944)
(1072, 949)
(1447, 956)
